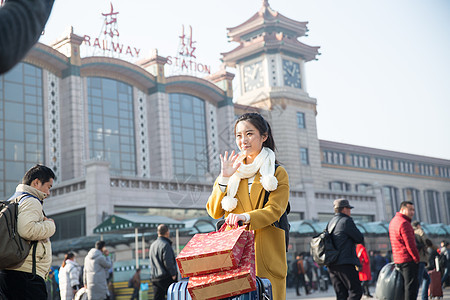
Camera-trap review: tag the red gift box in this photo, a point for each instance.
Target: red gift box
(212, 252)
(229, 283)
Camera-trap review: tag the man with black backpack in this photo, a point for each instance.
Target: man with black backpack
(345, 236)
(27, 280)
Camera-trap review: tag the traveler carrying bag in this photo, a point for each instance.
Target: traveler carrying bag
(13, 248)
(178, 291)
(435, 289)
(230, 283)
(323, 250)
(211, 252)
(390, 284)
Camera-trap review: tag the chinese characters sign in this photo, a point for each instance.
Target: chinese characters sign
(186, 59)
(109, 43)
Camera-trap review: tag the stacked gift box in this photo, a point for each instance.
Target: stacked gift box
(219, 264)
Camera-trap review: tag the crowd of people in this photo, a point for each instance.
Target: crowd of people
(93, 279)
(72, 281)
(356, 268)
(308, 275)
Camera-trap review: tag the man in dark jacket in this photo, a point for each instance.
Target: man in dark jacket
(345, 235)
(404, 249)
(164, 266)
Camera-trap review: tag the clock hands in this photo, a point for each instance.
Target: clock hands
(255, 72)
(253, 78)
(291, 74)
(291, 70)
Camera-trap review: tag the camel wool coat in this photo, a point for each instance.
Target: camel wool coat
(270, 247)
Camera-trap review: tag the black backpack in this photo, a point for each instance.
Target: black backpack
(323, 250)
(283, 222)
(13, 248)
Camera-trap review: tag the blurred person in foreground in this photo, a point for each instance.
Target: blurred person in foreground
(21, 25)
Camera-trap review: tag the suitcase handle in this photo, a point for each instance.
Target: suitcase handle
(262, 291)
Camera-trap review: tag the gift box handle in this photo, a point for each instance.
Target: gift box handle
(223, 225)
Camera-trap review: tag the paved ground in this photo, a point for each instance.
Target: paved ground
(330, 295)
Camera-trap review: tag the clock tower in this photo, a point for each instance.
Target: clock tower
(270, 75)
(269, 56)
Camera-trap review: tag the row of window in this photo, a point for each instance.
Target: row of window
(21, 124)
(111, 127)
(385, 164)
(428, 207)
(341, 186)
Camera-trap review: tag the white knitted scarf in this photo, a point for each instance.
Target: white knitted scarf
(265, 163)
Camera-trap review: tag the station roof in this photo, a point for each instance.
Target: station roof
(127, 223)
(121, 231)
(306, 228)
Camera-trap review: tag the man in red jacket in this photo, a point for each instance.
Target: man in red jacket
(404, 250)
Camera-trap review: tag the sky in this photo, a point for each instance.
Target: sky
(382, 79)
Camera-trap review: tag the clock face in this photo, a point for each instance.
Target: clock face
(253, 76)
(291, 74)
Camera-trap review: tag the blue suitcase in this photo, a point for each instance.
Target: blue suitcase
(178, 291)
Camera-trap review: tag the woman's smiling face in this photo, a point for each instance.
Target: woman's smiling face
(249, 140)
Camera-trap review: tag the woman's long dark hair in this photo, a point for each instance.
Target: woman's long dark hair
(69, 255)
(262, 125)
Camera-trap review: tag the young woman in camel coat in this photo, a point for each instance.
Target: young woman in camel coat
(238, 195)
